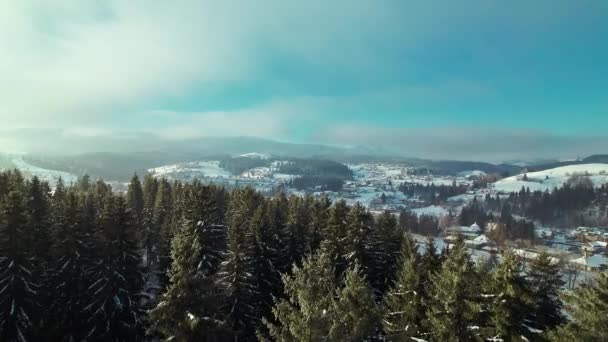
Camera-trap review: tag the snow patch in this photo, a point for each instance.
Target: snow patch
(191, 170)
(50, 176)
(552, 178)
(253, 155)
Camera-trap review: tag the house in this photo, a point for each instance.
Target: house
(478, 242)
(543, 233)
(474, 229)
(468, 231)
(597, 246)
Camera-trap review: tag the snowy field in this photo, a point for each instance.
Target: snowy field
(552, 178)
(202, 169)
(50, 176)
(253, 155)
(472, 173)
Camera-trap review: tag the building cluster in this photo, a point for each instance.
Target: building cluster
(474, 237)
(588, 245)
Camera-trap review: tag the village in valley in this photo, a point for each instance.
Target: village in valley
(437, 200)
(385, 186)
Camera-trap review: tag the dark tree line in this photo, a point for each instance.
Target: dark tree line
(419, 224)
(238, 165)
(507, 227)
(431, 193)
(324, 183)
(578, 202)
(316, 167)
(192, 262)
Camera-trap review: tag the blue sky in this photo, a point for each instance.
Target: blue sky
(345, 72)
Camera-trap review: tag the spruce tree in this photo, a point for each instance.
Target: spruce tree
(37, 207)
(452, 308)
(162, 226)
(356, 313)
(189, 309)
(318, 221)
(149, 237)
(114, 311)
(150, 190)
(135, 200)
(431, 260)
(264, 255)
(236, 274)
(277, 221)
(318, 308)
(71, 249)
(359, 227)
(101, 192)
(83, 183)
(200, 207)
(4, 183)
(588, 309)
(307, 314)
(20, 297)
(384, 249)
(334, 236)
(510, 299)
(545, 280)
(297, 238)
(149, 234)
(429, 265)
(403, 302)
(58, 199)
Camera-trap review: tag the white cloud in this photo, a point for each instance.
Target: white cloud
(276, 119)
(466, 142)
(78, 65)
(69, 62)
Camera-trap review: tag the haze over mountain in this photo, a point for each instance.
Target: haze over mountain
(471, 80)
(519, 148)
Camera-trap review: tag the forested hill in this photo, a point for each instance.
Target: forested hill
(455, 166)
(193, 262)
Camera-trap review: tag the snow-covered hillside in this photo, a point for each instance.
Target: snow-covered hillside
(188, 171)
(472, 173)
(50, 176)
(552, 178)
(253, 155)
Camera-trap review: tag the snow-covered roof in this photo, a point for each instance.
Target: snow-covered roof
(473, 229)
(478, 241)
(481, 239)
(598, 244)
(540, 232)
